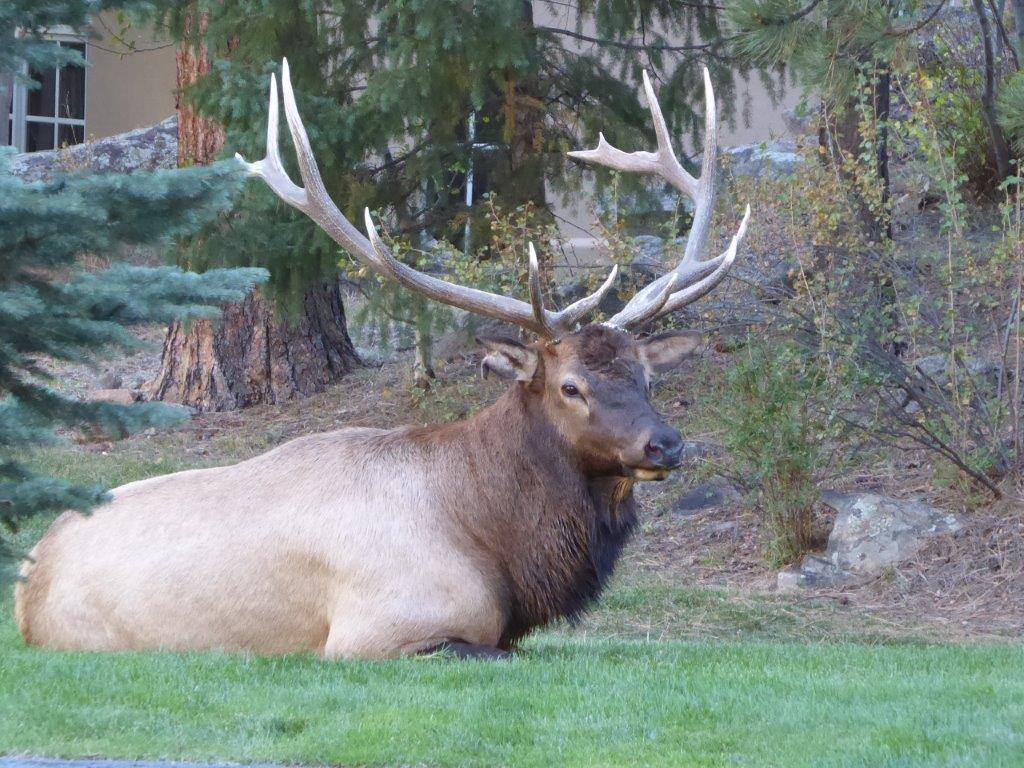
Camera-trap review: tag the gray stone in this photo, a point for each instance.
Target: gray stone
(789, 581)
(932, 365)
(872, 532)
(776, 159)
(716, 492)
(373, 356)
(937, 367)
(110, 380)
(819, 571)
(144, 149)
(117, 396)
(813, 571)
(698, 449)
(724, 529)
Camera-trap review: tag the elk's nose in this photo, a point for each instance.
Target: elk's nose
(664, 448)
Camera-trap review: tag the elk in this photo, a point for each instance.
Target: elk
(376, 543)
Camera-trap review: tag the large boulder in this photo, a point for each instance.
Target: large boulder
(144, 149)
(939, 369)
(776, 159)
(871, 533)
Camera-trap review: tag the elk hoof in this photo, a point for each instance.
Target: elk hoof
(464, 650)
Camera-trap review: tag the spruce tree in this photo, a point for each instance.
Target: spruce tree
(388, 90)
(402, 99)
(52, 310)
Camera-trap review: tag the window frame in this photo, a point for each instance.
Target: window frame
(20, 118)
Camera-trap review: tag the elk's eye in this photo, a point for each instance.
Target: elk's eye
(570, 390)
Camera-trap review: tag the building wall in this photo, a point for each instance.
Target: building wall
(128, 91)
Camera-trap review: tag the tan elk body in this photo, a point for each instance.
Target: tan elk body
(373, 543)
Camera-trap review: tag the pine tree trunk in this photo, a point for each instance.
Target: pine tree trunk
(199, 139)
(250, 355)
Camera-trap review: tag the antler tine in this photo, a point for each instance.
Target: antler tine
(314, 201)
(270, 168)
(699, 277)
(583, 307)
(701, 288)
(651, 309)
(663, 162)
(536, 298)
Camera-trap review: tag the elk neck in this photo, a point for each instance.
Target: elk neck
(548, 533)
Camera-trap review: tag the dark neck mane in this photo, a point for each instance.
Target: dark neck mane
(552, 533)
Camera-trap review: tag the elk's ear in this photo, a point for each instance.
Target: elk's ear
(667, 350)
(508, 359)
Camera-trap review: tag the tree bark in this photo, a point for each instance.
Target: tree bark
(250, 356)
(1018, 23)
(988, 98)
(199, 138)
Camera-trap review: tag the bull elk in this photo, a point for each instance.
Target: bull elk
(376, 543)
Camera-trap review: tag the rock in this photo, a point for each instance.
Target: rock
(148, 149)
(789, 581)
(716, 492)
(724, 529)
(813, 571)
(776, 159)
(117, 396)
(372, 356)
(697, 449)
(110, 380)
(937, 367)
(932, 365)
(872, 533)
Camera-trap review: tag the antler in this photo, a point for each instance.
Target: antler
(696, 277)
(314, 201)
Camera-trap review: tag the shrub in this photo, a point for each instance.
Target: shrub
(773, 432)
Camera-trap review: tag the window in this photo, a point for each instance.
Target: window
(52, 115)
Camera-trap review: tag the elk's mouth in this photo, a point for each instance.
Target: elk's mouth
(652, 473)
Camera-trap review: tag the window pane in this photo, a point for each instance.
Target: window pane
(68, 135)
(71, 97)
(40, 100)
(38, 136)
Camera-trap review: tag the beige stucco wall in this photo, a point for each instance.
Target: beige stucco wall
(129, 91)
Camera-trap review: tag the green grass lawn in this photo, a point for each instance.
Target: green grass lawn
(597, 695)
(563, 702)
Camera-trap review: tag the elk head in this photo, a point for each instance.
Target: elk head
(592, 383)
(593, 387)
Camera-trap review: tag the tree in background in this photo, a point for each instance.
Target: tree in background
(846, 52)
(403, 98)
(50, 310)
(254, 353)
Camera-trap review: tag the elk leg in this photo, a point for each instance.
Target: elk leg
(464, 650)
